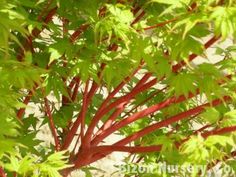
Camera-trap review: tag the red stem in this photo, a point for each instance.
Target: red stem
(144, 101)
(80, 117)
(79, 120)
(103, 151)
(50, 14)
(192, 7)
(26, 101)
(142, 81)
(219, 131)
(73, 82)
(175, 67)
(170, 120)
(136, 149)
(95, 86)
(202, 128)
(20, 56)
(78, 32)
(129, 96)
(112, 118)
(118, 111)
(117, 89)
(121, 107)
(75, 92)
(138, 18)
(140, 114)
(161, 24)
(35, 34)
(52, 125)
(84, 110)
(72, 132)
(191, 58)
(2, 172)
(123, 99)
(135, 10)
(44, 10)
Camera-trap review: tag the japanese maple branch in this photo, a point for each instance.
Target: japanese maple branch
(76, 88)
(138, 115)
(90, 128)
(143, 102)
(44, 10)
(35, 33)
(219, 131)
(192, 56)
(141, 114)
(102, 151)
(84, 109)
(170, 120)
(136, 90)
(127, 97)
(78, 32)
(176, 67)
(154, 148)
(26, 101)
(118, 88)
(121, 106)
(161, 24)
(138, 18)
(119, 109)
(28, 44)
(79, 119)
(75, 35)
(52, 125)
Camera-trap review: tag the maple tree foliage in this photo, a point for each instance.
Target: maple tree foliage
(139, 69)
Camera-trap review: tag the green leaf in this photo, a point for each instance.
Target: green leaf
(211, 115)
(183, 84)
(55, 54)
(218, 139)
(87, 172)
(55, 162)
(229, 119)
(223, 18)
